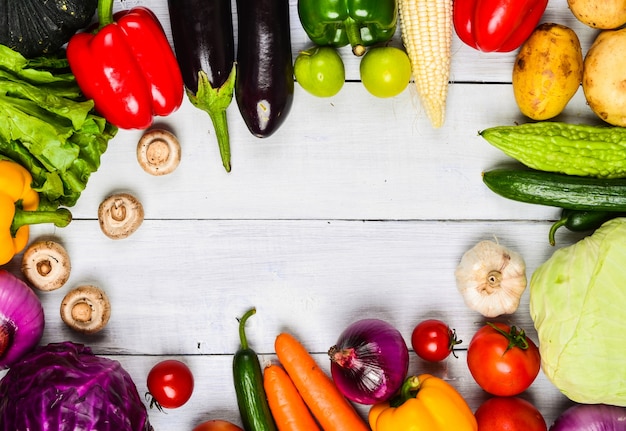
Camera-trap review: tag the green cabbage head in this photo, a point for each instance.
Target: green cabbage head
(578, 305)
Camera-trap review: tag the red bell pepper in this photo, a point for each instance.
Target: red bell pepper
(496, 25)
(127, 67)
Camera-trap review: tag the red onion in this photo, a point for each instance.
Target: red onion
(21, 319)
(369, 362)
(591, 417)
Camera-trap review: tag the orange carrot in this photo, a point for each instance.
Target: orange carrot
(331, 409)
(288, 409)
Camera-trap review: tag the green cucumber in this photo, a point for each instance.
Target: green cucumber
(248, 377)
(558, 190)
(572, 149)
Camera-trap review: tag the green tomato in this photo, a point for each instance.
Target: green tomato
(320, 71)
(385, 71)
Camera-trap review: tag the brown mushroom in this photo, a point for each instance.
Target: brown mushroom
(86, 309)
(120, 215)
(46, 265)
(158, 152)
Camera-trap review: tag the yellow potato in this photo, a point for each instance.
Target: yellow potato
(602, 14)
(548, 71)
(604, 77)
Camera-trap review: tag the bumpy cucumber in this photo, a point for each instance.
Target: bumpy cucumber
(573, 149)
(558, 190)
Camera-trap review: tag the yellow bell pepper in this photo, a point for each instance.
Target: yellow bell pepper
(18, 209)
(425, 403)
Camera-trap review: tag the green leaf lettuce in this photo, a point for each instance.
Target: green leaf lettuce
(48, 126)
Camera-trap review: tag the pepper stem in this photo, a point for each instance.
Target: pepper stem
(61, 217)
(105, 12)
(242, 325)
(408, 390)
(215, 101)
(555, 226)
(353, 31)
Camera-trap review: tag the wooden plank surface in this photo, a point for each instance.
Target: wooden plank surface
(355, 207)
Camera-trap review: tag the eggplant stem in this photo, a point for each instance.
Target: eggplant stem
(215, 101)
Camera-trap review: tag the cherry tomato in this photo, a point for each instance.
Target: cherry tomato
(433, 340)
(509, 414)
(219, 425)
(170, 383)
(502, 359)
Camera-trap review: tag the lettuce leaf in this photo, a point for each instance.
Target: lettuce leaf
(49, 127)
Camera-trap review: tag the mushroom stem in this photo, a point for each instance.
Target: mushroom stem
(44, 267)
(81, 312)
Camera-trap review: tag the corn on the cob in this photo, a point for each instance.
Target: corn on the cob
(426, 27)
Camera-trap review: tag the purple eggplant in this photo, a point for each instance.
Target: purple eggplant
(265, 83)
(202, 31)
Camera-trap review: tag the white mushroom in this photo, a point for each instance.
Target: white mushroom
(158, 152)
(46, 265)
(86, 309)
(120, 215)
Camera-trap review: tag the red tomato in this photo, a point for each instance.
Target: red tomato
(509, 414)
(433, 340)
(218, 425)
(502, 359)
(170, 384)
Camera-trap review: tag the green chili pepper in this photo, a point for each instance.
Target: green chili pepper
(581, 221)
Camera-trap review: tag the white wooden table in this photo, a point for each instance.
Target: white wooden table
(356, 207)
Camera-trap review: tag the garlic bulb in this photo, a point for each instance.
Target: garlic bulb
(491, 279)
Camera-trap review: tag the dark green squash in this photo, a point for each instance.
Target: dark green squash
(40, 27)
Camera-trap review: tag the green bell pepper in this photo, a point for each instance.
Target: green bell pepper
(359, 23)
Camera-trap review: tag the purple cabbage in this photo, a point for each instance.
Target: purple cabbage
(591, 417)
(65, 387)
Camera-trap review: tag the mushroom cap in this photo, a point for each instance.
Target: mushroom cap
(46, 265)
(120, 215)
(86, 309)
(158, 152)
